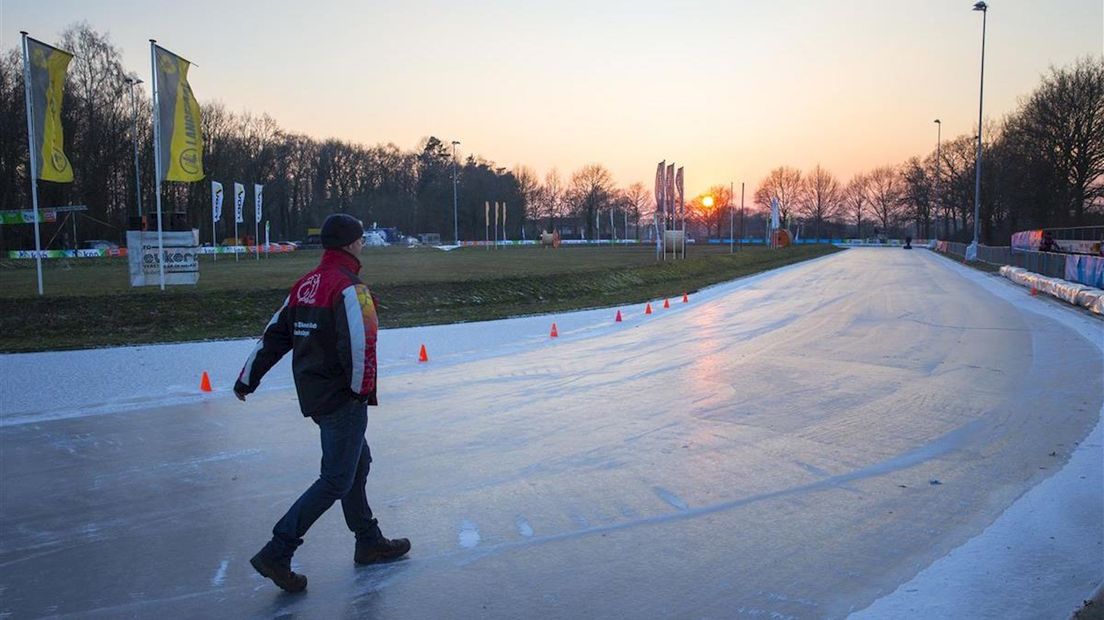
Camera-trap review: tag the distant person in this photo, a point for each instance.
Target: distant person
(908, 242)
(1048, 244)
(329, 323)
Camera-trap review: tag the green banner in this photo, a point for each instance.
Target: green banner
(26, 217)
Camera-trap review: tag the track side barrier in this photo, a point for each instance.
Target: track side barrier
(1071, 292)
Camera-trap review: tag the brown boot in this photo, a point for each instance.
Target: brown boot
(277, 567)
(380, 550)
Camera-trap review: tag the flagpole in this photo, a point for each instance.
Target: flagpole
(731, 229)
(157, 161)
(214, 233)
(741, 215)
(34, 160)
(237, 240)
(682, 212)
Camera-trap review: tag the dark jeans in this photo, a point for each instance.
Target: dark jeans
(346, 460)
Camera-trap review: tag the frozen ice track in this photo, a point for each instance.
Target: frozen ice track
(767, 448)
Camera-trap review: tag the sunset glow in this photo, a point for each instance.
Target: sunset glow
(851, 84)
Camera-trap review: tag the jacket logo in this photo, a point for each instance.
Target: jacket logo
(308, 290)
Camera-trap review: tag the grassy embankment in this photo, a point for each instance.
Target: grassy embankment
(89, 303)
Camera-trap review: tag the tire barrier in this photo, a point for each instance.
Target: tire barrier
(1070, 292)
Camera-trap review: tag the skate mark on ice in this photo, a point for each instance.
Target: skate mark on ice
(220, 574)
(580, 520)
(469, 535)
(814, 470)
(523, 526)
(956, 439)
(671, 498)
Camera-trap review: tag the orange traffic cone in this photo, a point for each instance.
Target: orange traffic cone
(553, 333)
(685, 298)
(648, 308)
(205, 383)
(666, 303)
(422, 357)
(617, 319)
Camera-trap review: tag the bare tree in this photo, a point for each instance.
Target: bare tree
(710, 216)
(917, 193)
(855, 201)
(821, 197)
(13, 131)
(591, 191)
(553, 198)
(782, 184)
(529, 187)
(638, 202)
(1056, 143)
(96, 111)
(885, 194)
(956, 186)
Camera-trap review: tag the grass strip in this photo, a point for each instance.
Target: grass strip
(179, 315)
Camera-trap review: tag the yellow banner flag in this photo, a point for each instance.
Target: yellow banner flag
(178, 111)
(47, 66)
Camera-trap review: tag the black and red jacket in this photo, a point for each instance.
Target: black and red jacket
(329, 321)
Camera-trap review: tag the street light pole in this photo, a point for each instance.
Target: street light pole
(935, 184)
(971, 252)
(455, 219)
(134, 116)
(731, 219)
(741, 215)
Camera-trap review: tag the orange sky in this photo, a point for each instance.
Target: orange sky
(727, 89)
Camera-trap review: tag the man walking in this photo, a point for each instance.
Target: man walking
(329, 323)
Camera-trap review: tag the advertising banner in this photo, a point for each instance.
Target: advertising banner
(1088, 270)
(47, 66)
(179, 113)
(180, 257)
(27, 217)
(216, 201)
(30, 254)
(239, 203)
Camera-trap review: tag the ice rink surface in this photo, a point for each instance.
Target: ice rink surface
(877, 430)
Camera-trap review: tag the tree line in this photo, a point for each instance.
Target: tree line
(1043, 165)
(304, 178)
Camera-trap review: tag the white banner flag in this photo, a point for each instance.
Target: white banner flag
(216, 200)
(775, 224)
(257, 196)
(239, 202)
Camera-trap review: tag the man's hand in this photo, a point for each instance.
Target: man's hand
(240, 395)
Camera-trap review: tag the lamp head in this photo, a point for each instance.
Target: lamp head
(938, 122)
(980, 6)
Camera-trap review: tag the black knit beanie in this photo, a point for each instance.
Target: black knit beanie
(340, 229)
